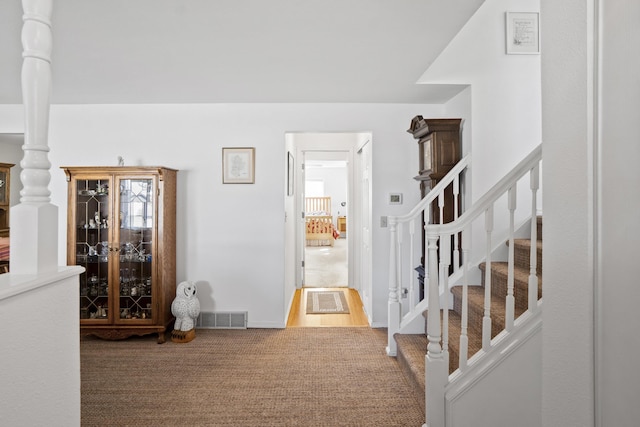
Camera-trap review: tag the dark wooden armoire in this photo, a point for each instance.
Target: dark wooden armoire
(439, 149)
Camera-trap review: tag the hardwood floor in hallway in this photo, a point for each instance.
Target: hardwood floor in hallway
(299, 318)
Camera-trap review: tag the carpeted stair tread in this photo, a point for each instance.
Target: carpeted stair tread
(499, 275)
(455, 330)
(539, 228)
(475, 295)
(412, 349)
(527, 243)
(522, 254)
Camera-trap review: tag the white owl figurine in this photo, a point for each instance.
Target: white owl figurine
(185, 307)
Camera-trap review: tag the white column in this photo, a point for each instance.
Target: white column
(436, 368)
(34, 222)
(394, 311)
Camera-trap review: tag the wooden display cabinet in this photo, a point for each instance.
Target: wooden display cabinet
(121, 225)
(5, 197)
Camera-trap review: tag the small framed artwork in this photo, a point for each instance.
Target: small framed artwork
(395, 198)
(290, 174)
(523, 33)
(238, 165)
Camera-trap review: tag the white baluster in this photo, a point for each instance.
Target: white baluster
(399, 267)
(533, 262)
(412, 281)
(394, 303)
(34, 222)
(464, 337)
(441, 206)
(425, 250)
(486, 320)
(445, 261)
(456, 211)
(510, 301)
(436, 371)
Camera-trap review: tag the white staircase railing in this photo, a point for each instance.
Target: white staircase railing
(396, 223)
(439, 257)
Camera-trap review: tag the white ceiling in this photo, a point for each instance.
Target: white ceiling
(222, 51)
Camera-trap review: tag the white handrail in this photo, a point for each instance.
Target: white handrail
(490, 196)
(435, 191)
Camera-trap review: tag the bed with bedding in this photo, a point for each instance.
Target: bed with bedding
(320, 230)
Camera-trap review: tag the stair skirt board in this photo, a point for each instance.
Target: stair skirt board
(222, 320)
(483, 365)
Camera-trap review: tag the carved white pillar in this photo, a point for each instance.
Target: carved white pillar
(34, 222)
(394, 309)
(436, 367)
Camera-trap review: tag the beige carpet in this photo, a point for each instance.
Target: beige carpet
(326, 266)
(243, 378)
(327, 302)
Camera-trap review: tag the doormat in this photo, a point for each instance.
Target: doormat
(327, 302)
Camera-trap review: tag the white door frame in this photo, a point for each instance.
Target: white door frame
(362, 202)
(347, 142)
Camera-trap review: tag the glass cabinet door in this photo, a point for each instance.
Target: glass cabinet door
(136, 216)
(92, 212)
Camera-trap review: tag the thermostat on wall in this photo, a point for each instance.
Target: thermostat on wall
(395, 198)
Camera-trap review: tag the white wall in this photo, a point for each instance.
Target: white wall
(591, 157)
(289, 261)
(231, 237)
(505, 91)
(618, 378)
(40, 354)
(568, 276)
(501, 107)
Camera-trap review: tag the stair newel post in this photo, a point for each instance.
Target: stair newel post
(412, 282)
(486, 320)
(464, 322)
(456, 209)
(399, 257)
(435, 368)
(533, 262)
(510, 300)
(34, 221)
(394, 303)
(445, 261)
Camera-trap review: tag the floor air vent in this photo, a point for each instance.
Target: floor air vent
(222, 320)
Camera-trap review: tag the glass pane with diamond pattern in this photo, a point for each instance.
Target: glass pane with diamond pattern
(136, 243)
(92, 246)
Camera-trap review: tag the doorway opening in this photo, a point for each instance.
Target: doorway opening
(315, 161)
(326, 197)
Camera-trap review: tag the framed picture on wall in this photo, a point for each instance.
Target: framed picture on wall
(290, 174)
(523, 33)
(238, 165)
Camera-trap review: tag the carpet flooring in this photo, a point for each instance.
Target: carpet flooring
(254, 377)
(326, 266)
